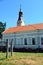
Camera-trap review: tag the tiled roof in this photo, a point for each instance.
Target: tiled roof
(24, 28)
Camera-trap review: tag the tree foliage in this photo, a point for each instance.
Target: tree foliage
(2, 28)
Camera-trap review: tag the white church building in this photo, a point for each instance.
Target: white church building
(24, 36)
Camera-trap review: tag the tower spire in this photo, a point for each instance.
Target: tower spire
(20, 7)
(20, 21)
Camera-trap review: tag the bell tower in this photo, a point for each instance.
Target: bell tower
(20, 21)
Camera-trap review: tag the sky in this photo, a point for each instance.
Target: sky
(32, 11)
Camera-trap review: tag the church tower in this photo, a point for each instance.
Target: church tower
(20, 21)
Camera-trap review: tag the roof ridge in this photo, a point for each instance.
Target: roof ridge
(26, 25)
(33, 27)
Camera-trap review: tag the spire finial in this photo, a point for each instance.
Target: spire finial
(20, 7)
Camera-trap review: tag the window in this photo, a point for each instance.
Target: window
(25, 41)
(33, 41)
(6, 40)
(42, 40)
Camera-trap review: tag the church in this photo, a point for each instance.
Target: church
(24, 36)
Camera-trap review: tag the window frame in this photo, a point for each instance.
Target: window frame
(33, 41)
(41, 41)
(25, 41)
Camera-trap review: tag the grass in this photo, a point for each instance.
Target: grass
(21, 58)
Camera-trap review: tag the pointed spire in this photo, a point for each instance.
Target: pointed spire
(20, 12)
(20, 21)
(20, 7)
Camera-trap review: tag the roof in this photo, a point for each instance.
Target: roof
(24, 28)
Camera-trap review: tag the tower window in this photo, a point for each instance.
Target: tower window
(33, 41)
(42, 40)
(25, 41)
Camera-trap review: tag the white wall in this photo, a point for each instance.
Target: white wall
(18, 38)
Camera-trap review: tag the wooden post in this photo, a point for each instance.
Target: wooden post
(6, 48)
(11, 46)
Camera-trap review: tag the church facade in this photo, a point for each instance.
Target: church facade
(24, 36)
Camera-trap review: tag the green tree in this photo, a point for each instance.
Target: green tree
(2, 28)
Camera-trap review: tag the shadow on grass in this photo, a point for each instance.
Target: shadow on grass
(2, 59)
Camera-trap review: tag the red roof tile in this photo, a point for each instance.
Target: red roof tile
(24, 28)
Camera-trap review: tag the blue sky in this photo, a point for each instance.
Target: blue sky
(32, 11)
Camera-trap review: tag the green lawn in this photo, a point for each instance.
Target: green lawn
(20, 58)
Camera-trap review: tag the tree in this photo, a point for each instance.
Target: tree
(2, 28)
